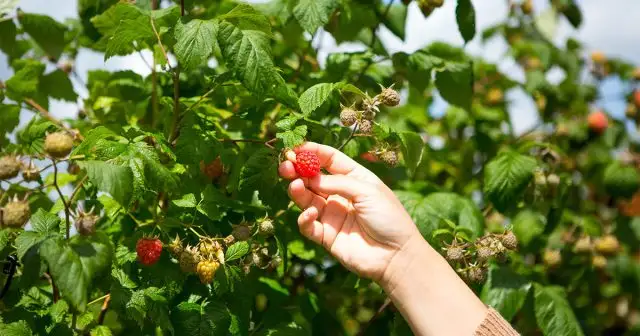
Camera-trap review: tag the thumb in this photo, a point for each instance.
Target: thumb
(342, 185)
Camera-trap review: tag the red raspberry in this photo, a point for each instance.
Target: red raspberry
(149, 250)
(307, 164)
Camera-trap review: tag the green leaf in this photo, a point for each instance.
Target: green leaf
(137, 30)
(314, 97)
(506, 177)
(246, 17)
(247, 53)
(466, 19)
(187, 201)
(260, 173)
(194, 42)
(110, 178)
(313, 14)
(59, 311)
(75, 263)
(621, 181)
(19, 328)
(455, 85)
(505, 291)
(412, 146)
(553, 313)
(9, 117)
(101, 331)
(209, 319)
(298, 249)
(91, 139)
(396, 19)
(47, 32)
(236, 251)
(25, 81)
(294, 137)
(44, 224)
(58, 85)
(434, 211)
(8, 32)
(527, 225)
(108, 21)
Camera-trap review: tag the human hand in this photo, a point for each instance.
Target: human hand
(351, 212)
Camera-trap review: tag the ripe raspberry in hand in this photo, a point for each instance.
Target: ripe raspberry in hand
(149, 250)
(307, 164)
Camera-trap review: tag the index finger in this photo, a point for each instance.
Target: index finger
(336, 162)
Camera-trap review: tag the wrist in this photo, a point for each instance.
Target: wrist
(415, 253)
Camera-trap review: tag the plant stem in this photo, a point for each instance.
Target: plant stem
(268, 143)
(98, 299)
(353, 132)
(103, 310)
(77, 189)
(66, 205)
(54, 288)
(45, 114)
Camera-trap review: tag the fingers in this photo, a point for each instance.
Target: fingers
(333, 218)
(287, 171)
(309, 226)
(331, 159)
(348, 187)
(305, 198)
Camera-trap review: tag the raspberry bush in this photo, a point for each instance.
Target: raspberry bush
(544, 225)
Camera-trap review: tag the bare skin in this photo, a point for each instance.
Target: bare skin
(358, 219)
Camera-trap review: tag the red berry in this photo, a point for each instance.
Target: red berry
(149, 250)
(598, 122)
(307, 164)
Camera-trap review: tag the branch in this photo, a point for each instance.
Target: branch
(103, 310)
(66, 205)
(164, 52)
(268, 143)
(353, 132)
(54, 288)
(45, 114)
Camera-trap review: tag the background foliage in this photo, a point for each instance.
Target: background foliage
(192, 150)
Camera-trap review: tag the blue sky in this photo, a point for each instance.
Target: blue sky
(612, 26)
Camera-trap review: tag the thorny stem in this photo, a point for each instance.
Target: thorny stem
(66, 205)
(353, 132)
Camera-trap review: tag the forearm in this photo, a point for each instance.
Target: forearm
(429, 293)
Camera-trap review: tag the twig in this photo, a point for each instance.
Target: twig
(45, 114)
(77, 189)
(54, 288)
(98, 299)
(181, 7)
(103, 310)
(353, 132)
(66, 206)
(164, 52)
(386, 303)
(74, 320)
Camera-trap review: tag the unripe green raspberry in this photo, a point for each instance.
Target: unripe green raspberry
(16, 213)
(484, 253)
(455, 253)
(348, 116)
(390, 158)
(266, 228)
(58, 144)
(389, 97)
(510, 241)
(365, 127)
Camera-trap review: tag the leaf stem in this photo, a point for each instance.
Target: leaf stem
(66, 205)
(54, 288)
